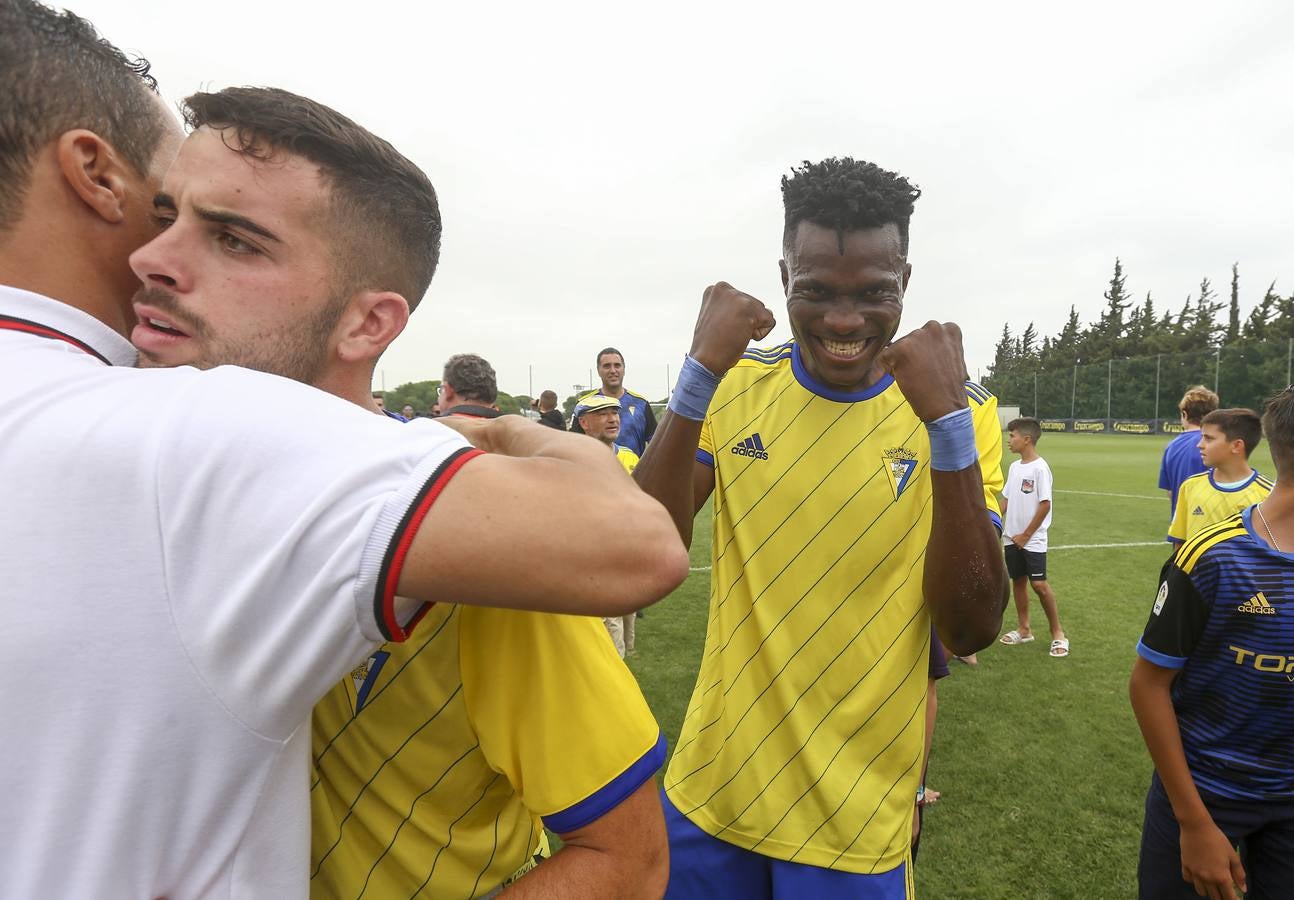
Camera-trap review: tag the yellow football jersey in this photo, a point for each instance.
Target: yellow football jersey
(1201, 502)
(627, 458)
(803, 737)
(434, 760)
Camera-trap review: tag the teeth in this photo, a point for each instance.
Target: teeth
(843, 348)
(158, 323)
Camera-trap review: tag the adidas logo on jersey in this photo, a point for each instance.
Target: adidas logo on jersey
(1257, 605)
(752, 447)
(1198, 511)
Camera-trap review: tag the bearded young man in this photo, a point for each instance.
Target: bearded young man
(434, 769)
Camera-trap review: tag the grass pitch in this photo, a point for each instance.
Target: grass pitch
(1041, 766)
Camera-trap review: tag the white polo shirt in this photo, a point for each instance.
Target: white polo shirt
(188, 561)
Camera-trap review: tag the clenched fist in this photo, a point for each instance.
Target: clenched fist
(930, 369)
(729, 320)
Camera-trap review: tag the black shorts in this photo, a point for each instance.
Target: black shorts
(1026, 563)
(1263, 830)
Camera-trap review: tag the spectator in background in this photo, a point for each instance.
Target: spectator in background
(548, 413)
(1182, 455)
(468, 388)
(598, 416)
(637, 421)
(407, 411)
(380, 400)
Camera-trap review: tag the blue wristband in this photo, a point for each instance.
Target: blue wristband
(952, 441)
(696, 385)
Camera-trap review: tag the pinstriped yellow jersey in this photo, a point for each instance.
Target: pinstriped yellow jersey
(803, 737)
(1202, 502)
(437, 762)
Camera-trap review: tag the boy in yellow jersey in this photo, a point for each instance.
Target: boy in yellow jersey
(854, 479)
(1227, 438)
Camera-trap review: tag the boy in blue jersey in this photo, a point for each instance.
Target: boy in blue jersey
(1182, 455)
(1213, 691)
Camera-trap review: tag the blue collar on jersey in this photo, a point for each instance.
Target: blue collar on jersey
(1231, 490)
(809, 383)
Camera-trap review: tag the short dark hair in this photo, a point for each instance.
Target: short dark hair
(472, 378)
(548, 398)
(1237, 424)
(57, 74)
(1026, 426)
(1198, 402)
(847, 195)
(1278, 425)
(384, 209)
(605, 350)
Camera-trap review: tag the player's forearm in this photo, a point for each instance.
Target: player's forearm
(1150, 693)
(576, 871)
(665, 471)
(964, 581)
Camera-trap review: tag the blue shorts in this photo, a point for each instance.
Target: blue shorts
(703, 867)
(1263, 831)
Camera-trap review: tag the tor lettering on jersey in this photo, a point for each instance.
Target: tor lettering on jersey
(752, 447)
(900, 464)
(1264, 662)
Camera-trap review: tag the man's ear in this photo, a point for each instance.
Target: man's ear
(907, 275)
(94, 172)
(786, 275)
(372, 320)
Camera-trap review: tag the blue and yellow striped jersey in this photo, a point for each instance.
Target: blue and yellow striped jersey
(436, 761)
(803, 737)
(1224, 616)
(1201, 502)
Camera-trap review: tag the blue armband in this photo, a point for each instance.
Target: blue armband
(696, 385)
(952, 441)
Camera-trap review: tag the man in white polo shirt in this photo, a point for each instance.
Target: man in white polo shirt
(187, 567)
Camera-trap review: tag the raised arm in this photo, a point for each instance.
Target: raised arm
(514, 506)
(669, 471)
(964, 580)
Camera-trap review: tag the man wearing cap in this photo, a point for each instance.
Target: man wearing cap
(638, 422)
(598, 416)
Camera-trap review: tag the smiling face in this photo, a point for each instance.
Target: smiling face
(611, 368)
(242, 273)
(844, 308)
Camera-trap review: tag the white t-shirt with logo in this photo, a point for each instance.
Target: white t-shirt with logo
(1027, 485)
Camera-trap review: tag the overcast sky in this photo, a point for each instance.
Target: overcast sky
(599, 164)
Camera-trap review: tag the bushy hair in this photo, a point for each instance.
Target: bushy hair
(1237, 424)
(1198, 402)
(472, 378)
(384, 210)
(57, 74)
(847, 195)
(1026, 426)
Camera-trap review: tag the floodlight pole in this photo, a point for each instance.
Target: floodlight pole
(1157, 359)
(1035, 395)
(1289, 356)
(1073, 391)
(667, 390)
(531, 369)
(1217, 368)
(1109, 387)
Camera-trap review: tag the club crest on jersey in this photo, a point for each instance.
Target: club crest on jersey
(1026, 485)
(900, 464)
(365, 676)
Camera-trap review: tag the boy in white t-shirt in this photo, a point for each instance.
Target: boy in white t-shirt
(1026, 515)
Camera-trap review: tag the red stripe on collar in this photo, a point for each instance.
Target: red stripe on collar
(13, 323)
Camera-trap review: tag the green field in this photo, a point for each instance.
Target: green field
(1042, 769)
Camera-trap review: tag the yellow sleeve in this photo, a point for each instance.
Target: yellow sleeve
(556, 712)
(705, 449)
(627, 458)
(1177, 529)
(988, 440)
